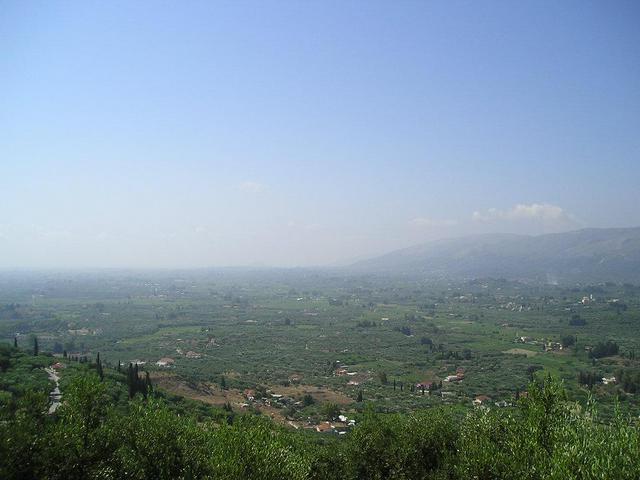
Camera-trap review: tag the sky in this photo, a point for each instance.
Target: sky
(299, 133)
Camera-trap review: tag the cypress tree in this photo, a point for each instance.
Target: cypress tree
(359, 396)
(99, 367)
(15, 342)
(64, 354)
(223, 383)
(148, 386)
(130, 381)
(36, 349)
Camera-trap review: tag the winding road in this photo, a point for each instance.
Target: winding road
(55, 396)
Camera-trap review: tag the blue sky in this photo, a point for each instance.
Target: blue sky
(166, 134)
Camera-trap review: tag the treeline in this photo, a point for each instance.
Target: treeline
(545, 437)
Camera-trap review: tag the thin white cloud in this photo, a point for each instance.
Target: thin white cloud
(424, 222)
(534, 211)
(250, 186)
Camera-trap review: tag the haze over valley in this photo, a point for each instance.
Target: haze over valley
(363, 240)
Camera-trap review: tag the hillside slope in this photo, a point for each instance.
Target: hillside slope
(611, 254)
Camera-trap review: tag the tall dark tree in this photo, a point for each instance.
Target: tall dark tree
(147, 383)
(359, 396)
(223, 383)
(15, 342)
(36, 349)
(99, 366)
(131, 382)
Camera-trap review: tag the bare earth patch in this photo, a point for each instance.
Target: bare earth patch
(203, 392)
(214, 395)
(320, 394)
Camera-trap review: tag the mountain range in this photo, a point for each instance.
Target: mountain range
(587, 255)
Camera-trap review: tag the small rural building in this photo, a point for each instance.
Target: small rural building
(480, 400)
(165, 362)
(324, 427)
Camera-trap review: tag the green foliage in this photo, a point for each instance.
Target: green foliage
(330, 410)
(604, 349)
(401, 446)
(544, 437)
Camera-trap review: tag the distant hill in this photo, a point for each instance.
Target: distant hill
(588, 255)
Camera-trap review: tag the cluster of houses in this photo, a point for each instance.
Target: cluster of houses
(515, 307)
(166, 362)
(85, 331)
(269, 400)
(459, 376)
(548, 346)
(343, 371)
(588, 300)
(341, 426)
(355, 379)
(190, 353)
(484, 401)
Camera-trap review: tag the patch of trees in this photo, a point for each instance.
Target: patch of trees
(410, 317)
(604, 349)
(366, 324)
(11, 311)
(454, 354)
(532, 369)
(619, 307)
(87, 438)
(568, 341)
(330, 410)
(577, 321)
(428, 308)
(405, 330)
(136, 383)
(588, 379)
(629, 379)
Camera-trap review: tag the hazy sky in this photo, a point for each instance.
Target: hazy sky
(309, 132)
